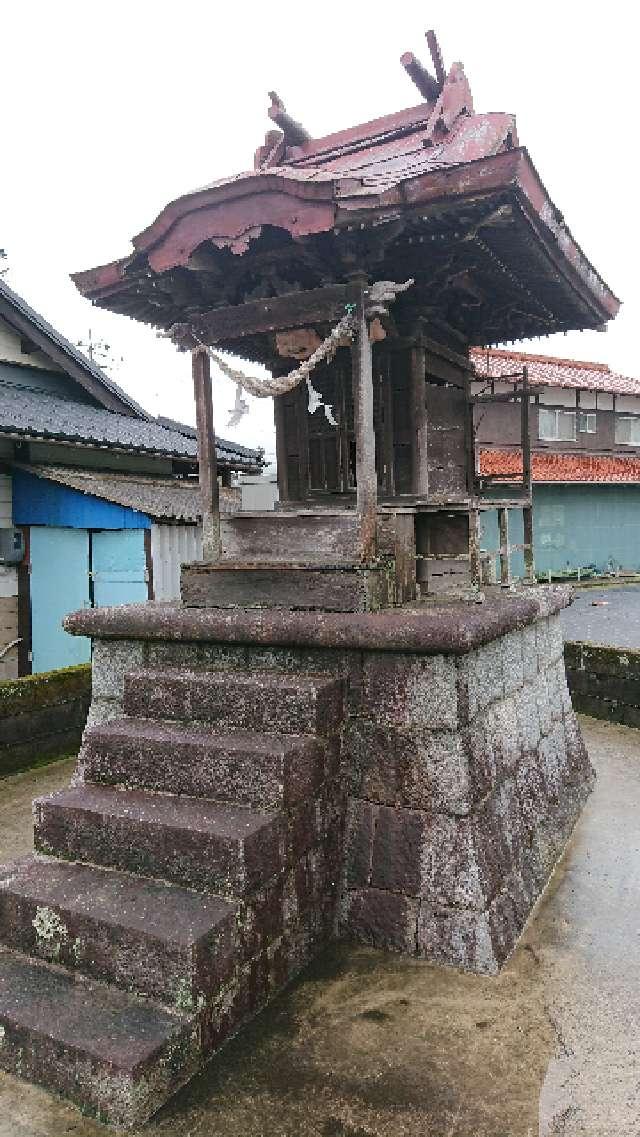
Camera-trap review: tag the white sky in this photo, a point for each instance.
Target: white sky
(110, 110)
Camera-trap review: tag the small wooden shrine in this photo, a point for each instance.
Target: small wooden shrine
(275, 761)
(376, 459)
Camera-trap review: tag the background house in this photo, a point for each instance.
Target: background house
(585, 456)
(99, 501)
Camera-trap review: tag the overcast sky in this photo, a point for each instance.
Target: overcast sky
(112, 109)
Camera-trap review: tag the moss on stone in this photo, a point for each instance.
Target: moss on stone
(44, 689)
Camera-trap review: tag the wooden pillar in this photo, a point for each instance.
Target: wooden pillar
(527, 518)
(279, 415)
(388, 462)
(503, 525)
(207, 463)
(418, 411)
(526, 438)
(475, 571)
(366, 480)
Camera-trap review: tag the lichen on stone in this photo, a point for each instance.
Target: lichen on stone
(50, 930)
(184, 995)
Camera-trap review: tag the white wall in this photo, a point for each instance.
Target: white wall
(172, 546)
(630, 404)
(11, 350)
(259, 493)
(558, 397)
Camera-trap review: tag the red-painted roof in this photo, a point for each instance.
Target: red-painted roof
(412, 163)
(562, 467)
(553, 372)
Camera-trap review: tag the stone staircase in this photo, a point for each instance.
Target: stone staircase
(188, 873)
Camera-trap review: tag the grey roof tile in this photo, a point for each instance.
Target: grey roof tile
(36, 415)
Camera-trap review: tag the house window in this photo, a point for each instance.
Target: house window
(628, 431)
(556, 425)
(587, 422)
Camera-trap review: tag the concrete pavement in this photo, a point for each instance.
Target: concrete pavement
(373, 1045)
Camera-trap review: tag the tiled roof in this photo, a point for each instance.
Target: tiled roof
(563, 467)
(553, 372)
(222, 445)
(33, 414)
(163, 499)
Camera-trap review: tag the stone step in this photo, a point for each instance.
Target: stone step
(268, 771)
(188, 841)
(296, 585)
(272, 701)
(119, 1058)
(145, 936)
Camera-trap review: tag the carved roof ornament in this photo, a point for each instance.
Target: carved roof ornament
(378, 296)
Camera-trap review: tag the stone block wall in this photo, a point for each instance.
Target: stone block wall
(463, 776)
(42, 716)
(468, 775)
(604, 681)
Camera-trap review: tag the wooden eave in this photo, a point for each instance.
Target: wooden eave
(334, 206)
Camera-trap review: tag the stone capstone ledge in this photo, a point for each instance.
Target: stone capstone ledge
(441, 628)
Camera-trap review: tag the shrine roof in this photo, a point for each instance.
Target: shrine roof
(437, 172)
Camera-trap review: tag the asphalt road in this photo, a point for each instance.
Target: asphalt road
(605, 616)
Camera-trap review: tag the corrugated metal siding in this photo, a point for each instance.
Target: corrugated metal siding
(8, 592)
(171, 547)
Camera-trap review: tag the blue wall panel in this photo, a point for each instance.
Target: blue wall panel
(579, 525)
(37, 501)
(59, 584)
(574, 526)
(490, 539)
(119, 567)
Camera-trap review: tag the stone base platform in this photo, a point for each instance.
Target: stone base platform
(407, 778)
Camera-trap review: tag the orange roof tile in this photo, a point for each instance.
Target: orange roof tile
(552, 371)
(562, 467)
